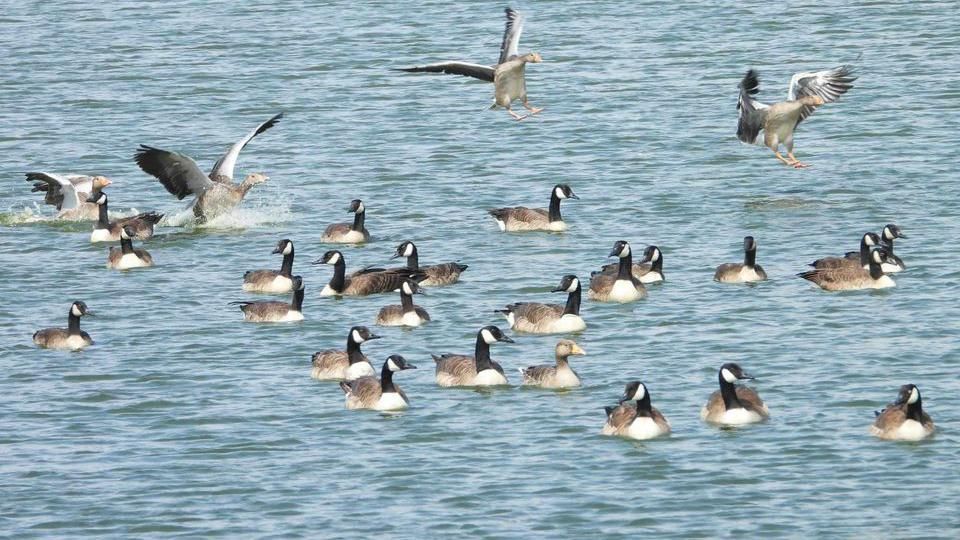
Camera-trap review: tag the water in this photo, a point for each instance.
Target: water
(184, 420)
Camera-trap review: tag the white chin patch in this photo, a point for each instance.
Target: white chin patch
(914, 396)
(727, 375)
(102, 199)
(625, 251)
(559, 193)
(877, 258)
(75, 310)
(640, 393)
(656, 255)
(868, 240)
(357, 338)
(573, 285)
(392, 365)
(488, 336)
(360, 208)
(288, 248)
(334, 259)
(408, 251)
(406, 288)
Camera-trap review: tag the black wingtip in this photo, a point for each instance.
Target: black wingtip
(750, 82)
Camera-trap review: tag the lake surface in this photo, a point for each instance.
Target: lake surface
(184, 420)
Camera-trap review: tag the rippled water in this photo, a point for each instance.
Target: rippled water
(184, 420)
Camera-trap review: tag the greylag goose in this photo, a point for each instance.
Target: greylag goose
(904, 419)
(69, 193)
(379, 395)
(557, 376)
(70, 338)
(638, 420)
(733, 405)
(109, 231)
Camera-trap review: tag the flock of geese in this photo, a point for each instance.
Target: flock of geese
(80, 197)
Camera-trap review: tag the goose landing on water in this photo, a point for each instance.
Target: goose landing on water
(70, 193)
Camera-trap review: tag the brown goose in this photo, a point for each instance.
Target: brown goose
(436, 274)
(648, 270)
(560, 375)
(379, 395)
(536, 318)
(746, 272)
(69, 193)
(362, 282)
(521, 218)
(70, 338)
(638, 420)
(620, 287)
(334, 365)
(272, 281)
(109, 231)
(861, 259)
(271, 311)
(851, 278)
(734, 405)
(904, 419)
(126, 256)
(348, 233)
(406, 313)
(476, 370)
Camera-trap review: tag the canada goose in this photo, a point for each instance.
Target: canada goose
(860, 259)
(476, 370)
(405, 313)
(362, 282)
(72, 337)
(349, 233)
(270, 281)
(560, 375)
(622, 286)
(109, 231)
(436, 274)
(126, 256)
(648, 270)
(807, 92)
(215, 193)
(272, 311)
(69, 193)
(734, 405)
(904, 419)
(535, 318)
(746, 272)
(521, 218)
(849, 278)
(334, 365)
(638, 420)
(507, 75)
(893, 263)
(379, 395)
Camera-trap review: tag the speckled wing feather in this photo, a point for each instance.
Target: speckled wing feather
(538, 374)
(442, 274)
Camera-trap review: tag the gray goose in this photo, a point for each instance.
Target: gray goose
(476, 370)
(272, 311)
(349, 233)
(70, 338)
(69, 193)
(558, 376)
(638, 420)
(379, 395)
(521, 218)
(109, 231)
(362, 282)
(904, 419)
(436, 274)
(335, 365)
(273, 281)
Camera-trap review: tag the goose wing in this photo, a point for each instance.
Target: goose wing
(223, 169)
(829, 84)
(59, 188)
(752, 112)
(621, 416)
(179, 174)
(511, 35)
(365, 389)
(477, 71)
(751, 400)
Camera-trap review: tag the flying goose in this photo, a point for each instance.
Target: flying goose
(558, 376)
(521, 218)
(860, 259)
(638, 420)
(379, 395)
(216, 193)
(620, 287)
(507, 75)
(535, 318)
(362, 282)
(746, 272)
(348, 233)
(476, 370)
(734, 405)
(904, 419)
(850, 278)
(69, 193)
(334, 365)
(109, 231)
(405, 313)
(71, 337)
(272, 311)
(436, 274)
(893, 263)
(807, 92)
(648, 270)
(271, 281)
(126, 256)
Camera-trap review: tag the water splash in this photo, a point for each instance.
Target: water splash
(238, 218)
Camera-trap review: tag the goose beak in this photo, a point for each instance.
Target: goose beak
(614, 253)
(746, 377)
(577, 350)
(90, 313)
(574, 196)
(278, 250)
(396, 256)
(372, 336)
(901, 235)
(558, 289)
(410, 366)
(505, 339)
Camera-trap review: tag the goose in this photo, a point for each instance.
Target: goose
(436, 274)
(271, 281)
(362, 282)
(380, 395)
(852, 278)
(507, 75)
(521, 218)
(216, 193)
(334, 365)
(70, 338)
(746, 272)
(649, 270)
(272, 311)
(638, 420)
(620, 287)
(405, 313)
(535, 318)
(893, 264)
(69, 193)
(109, 231)
(126, 256)
(859, 259)
(557, 376)
(476, 370)
(734, 405)
(904, 419)
(348, 233)
(807, 91)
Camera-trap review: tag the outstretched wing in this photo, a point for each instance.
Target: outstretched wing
(58, 184)
(178, 173)
(223, 169)
(477, 71)
(511, 35)
(752, 112)
(829, 84)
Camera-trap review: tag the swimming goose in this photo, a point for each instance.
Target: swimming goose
(126, 256)
(620, 287)
(436, 274)
(893, 263)
(109, 231)
(807, 92)
(216, 193)
(560, 375)
(507, 75)
(638, 420)
(850, 278)
(349, 233)
(535, 318)
(904, 419)
(405, 313)
(379, 395)
(852, 259)
(72, 337)
(648, 270)
(272, 311)
(69, 193)
(271, 281)
(734, 405)
(746, 272)
(334, 365)
(476, 370)
(521, 218)
(362, 282)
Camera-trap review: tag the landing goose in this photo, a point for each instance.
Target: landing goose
(850, 278)
(379, 395)
(859, 259)
(904, 419)
(638, 420)
(272, 311)
(362, 282)
(273, 281)
(746, 272)
(69, 193)
(436, 274)
(535, 318)
(807, 92)
(109, 231)
(476, 370)
(521, 218)
(334, 365)
(507, 75)
(620, 287)
(406, 313)
(558, 376)
(648, 270)
(734, 405)
(69, 338)
(216, 193)
(126, 256)
(349, 233)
